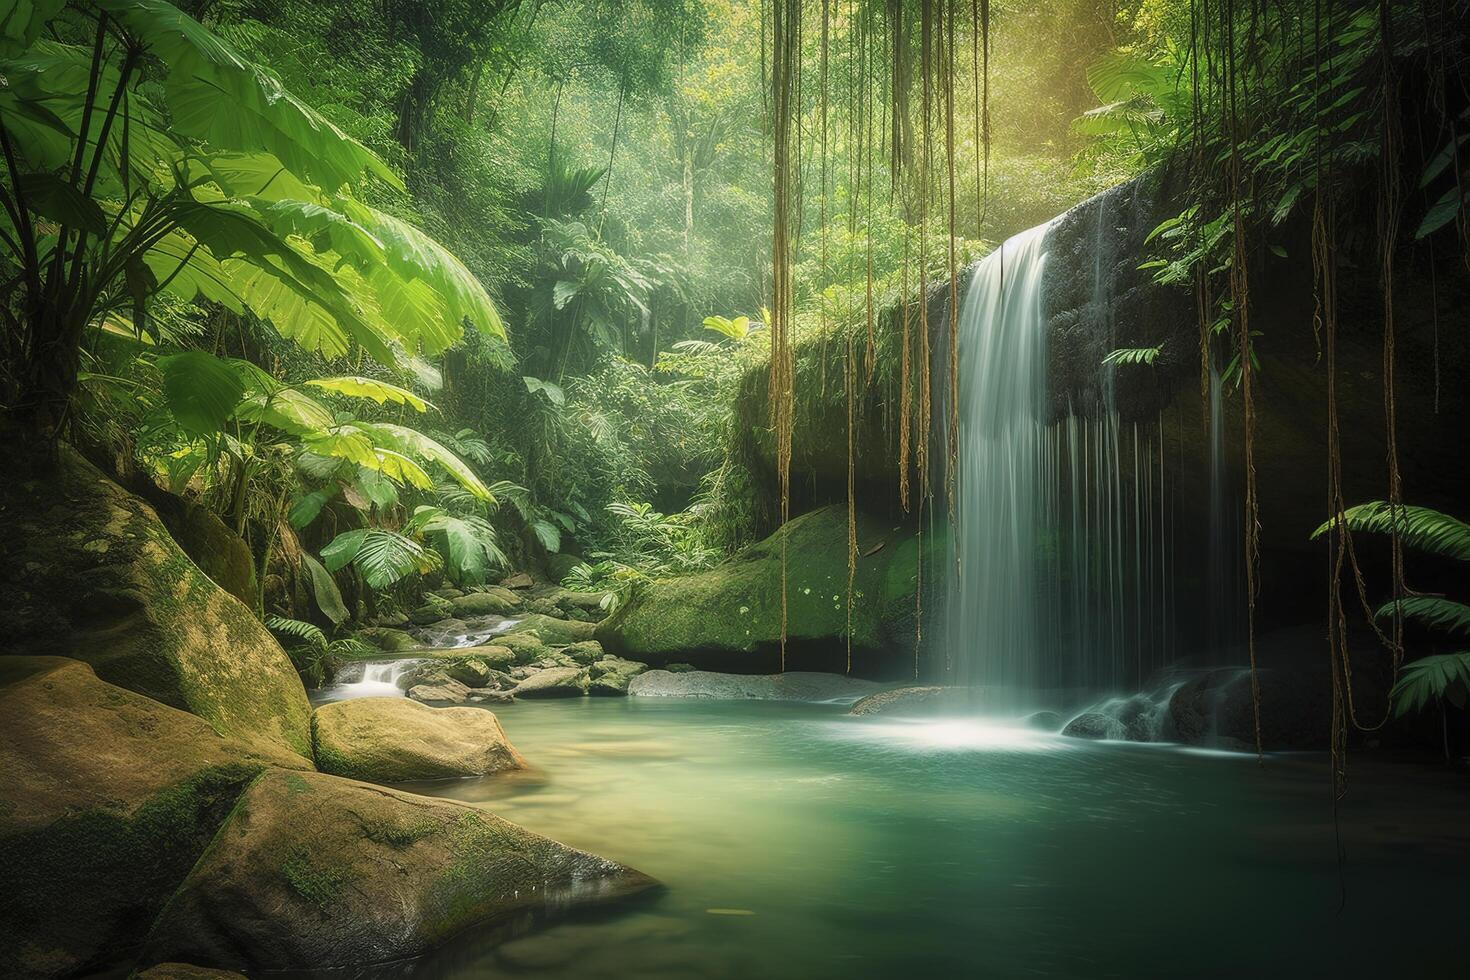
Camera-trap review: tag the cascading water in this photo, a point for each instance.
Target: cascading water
(1060, 547)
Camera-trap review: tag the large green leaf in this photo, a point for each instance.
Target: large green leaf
(411, 442)
(324, 589)
(467, 542)
(21, 22)
(218, 96)
(1435, 612)
(306, 508)
(201, 390)
(1419, 527)
(383, 557)
(1429, 678)
(49, 196)
(338, 554)
(371, 388)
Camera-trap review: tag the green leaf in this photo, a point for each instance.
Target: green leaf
(548, 534)
(307, 508)
(1441, 160)
(338, 554)
(371, 388)
(377, 488)
(297, 629)
(21, 22)
(1419, 527)
(1133, 355)
(1441, 213)
(1433, 611)
(201, 390)
(553, 392)
(1446, 676)
(49, 196)
(468, 543)
(411, 442)
(324, 590)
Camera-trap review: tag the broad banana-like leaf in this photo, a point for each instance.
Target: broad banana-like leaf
(370, 388)
(324, 590)
(202, 391)
(411, 442)
(21, 22)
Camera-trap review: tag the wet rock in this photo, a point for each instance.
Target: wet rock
(555, 632)
(487, 604)
(393, 619)
(107, 800)
(1044, 721)
(559, 566)
(791, 686)
(316, 872)
(433, 610)
(584, 652)
(87, 570)
(554, 682)
(910, 701)
(1216, 707)
(491, 695)
(527, 647)
(612, 675)
(388, 639)
(1094, 725)
(392, 740)
(520, 580)
(447, 593)
(440, 689)
(184, 971)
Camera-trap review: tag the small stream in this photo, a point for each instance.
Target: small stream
(797, 841)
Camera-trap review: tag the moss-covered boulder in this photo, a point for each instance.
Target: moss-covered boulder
(388, 639)
(500, 602)
(555, 632)
(87, 570)
(527, 647)
(106, 801)
(394, 740)
(612, 675)
(729, 618)
(312, 871)
(553, 682)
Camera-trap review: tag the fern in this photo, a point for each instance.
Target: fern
(1133, 355)
(1419, 527)
(297, 630)
(1432, 611)
(383, 557)
(1444, 676)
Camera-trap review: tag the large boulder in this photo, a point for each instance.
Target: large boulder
(394, 740)
(315, 872)
(500, 602)
(555, 632)
(729, 618)
(87, 570)
(553, 682)
(107, 800)
(612, 675)
(791, 686)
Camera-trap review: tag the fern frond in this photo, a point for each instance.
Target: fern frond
(1133, 355)
(297, 629)
(1446, 675)
(1432, 611)
(1419, 527)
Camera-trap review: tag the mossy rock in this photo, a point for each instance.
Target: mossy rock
(555, 632)
(108, 799)
(527, 647)
(186, 971)
(87, 570)
(394, 740)
(729, 618)
(486, 604)
(387, 639)
(432, 610)
(316, 872)
(612, 675)
(553, 682)
(584, 652)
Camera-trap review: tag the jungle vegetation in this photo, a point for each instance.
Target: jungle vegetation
(414, 291)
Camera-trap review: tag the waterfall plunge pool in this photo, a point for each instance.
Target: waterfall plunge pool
(797, 841)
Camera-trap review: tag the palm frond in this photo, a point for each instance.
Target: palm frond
(1446, 675)
(1419, 527)
(1435, 612)
(296, 629)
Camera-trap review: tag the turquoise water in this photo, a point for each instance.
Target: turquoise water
(796, 841)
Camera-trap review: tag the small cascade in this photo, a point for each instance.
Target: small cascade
(370, 679)
(1061, 548)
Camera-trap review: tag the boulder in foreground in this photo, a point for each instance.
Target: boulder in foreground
(391, 740)
(312, 871)
(87, 570)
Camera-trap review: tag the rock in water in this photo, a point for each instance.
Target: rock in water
(317, 872)
(729, 617)
(912, 700)
(393, 740)
(87, 570)
(556, 632)
(553, 682)
(1095, 725)
(612, 675)
(107, 800)
(791, 686)
(498, 603)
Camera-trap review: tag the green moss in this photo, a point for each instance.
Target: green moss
(313, 881)
(90, 883)
(400, 835)
(296, 784)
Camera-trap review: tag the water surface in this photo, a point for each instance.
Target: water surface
(796, 841)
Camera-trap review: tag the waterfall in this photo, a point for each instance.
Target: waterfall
(1060, 547)
(994, 602)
